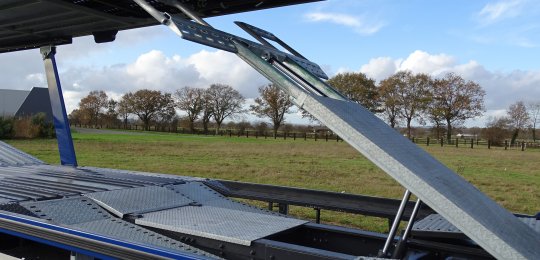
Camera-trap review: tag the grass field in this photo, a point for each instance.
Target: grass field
(511, 177)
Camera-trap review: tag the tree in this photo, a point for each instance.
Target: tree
(76, 117)
(517, 118)
(147, 104)
(457, 100)
(357, 87)
(414, 95)
(92, 106)
(273, 103)
(388, 94)
(534, 114)
(407, 95)
(124, 109)
(190, 100)
(111, 115)
(207, 110)
(225, 101)
(167, 113)
(435, 114)
(496, 130)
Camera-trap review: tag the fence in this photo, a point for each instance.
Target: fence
(323, 136)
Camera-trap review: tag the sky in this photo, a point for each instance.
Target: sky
(494, 43)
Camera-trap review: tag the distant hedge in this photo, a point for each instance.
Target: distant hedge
(26, 127)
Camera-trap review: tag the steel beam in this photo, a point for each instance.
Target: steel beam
(61, 122)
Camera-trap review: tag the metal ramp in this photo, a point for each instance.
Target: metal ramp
(483, 220)
(83, 214)
(195, 209)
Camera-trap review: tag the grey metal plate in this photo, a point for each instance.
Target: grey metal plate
(67, 211)
(10, 155)
(138, 200)
(222, 224)
(123, 230)
(435, 225)
(206, 196)
(218, 39)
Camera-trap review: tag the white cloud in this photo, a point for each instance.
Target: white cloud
(493, 12)
(357, 23)
(502, 88)
(151, 70)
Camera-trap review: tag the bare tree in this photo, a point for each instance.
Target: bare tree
(457, 100)
(357, 87)
(207, 110)
(273, 103)
(388, 94)
(147, 104)
(496, 130)
(111, 115)
(534, 114)
(93, 105)
(226, 102)
(414, 96)
(190, 100)
(518, 118)
(167, 113)
(124, 109)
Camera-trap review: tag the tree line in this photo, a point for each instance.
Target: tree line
(400, 99)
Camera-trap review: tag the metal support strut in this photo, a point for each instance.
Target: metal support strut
(395, 224)
(61, 123)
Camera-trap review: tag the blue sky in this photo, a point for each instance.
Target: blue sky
(496, 43)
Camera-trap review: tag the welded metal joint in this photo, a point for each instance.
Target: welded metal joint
(47, 51)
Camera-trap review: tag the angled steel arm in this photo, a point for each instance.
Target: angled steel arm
(480, 218)
(61, 122)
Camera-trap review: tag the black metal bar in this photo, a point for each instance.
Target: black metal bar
(351, 203)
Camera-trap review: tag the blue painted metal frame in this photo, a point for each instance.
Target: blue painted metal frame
(134, 246)
(61, 122)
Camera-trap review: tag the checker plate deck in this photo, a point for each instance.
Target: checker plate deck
(222, 224)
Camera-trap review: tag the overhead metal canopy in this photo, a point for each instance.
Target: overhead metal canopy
(27, 24)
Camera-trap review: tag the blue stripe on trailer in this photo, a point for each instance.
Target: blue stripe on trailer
(137, 247)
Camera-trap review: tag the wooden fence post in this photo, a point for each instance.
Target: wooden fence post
(523, 146)
(457, 142)
(472, 143)
(442, 142)
(489, 144)
(427, 141)
(305, 136)
(326, 136)
(505, 144)
(294, 136)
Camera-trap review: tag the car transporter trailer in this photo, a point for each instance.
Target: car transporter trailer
(55, 211)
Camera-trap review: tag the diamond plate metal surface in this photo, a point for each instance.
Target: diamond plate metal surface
(206, 196)
(123, 230)
(10, 155)
(437, 225)
(138, 200)
(67, 211)
(222, 224)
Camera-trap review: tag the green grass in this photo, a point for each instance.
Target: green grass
(511, 177)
